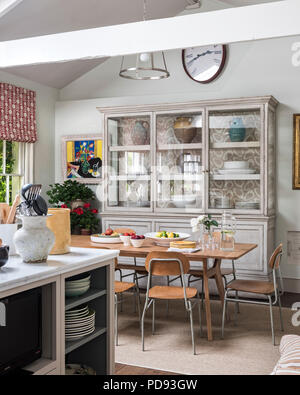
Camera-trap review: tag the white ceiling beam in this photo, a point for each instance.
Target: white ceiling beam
(7, 5)
(264, 21)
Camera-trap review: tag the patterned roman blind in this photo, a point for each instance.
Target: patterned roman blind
(17, 114)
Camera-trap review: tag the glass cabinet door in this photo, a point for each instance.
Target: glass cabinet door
(179, 173)
(234, 160)
(129, 162)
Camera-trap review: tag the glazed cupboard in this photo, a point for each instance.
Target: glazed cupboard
(166, 163)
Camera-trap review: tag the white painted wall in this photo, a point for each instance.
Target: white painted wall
(253, 69)
(45, 113)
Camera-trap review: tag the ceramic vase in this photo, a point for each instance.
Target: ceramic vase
(139, 133)
(237, 131)
(34, 240)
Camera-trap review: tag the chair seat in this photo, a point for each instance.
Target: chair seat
(121, 287)
(199, 272)
(227, 272)
(138, 269)
(167, 292)
(256, 287)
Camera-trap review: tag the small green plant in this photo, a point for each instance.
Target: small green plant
(206, 221)
(68, 192)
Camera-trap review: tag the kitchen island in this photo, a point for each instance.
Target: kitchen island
(95, 350)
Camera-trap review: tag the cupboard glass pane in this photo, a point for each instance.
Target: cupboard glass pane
(234, 160)
(179, 161)
(129, 130)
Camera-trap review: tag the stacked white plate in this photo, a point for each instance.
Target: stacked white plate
(236, 167)
(247, 205)
(79, 322)
(77, 286)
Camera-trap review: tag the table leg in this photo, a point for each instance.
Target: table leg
(219, 280)
(207, 301)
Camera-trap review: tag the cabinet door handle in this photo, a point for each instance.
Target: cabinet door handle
(2, 314)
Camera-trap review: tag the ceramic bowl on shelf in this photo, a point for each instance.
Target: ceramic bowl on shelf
(237, 164)
(137, 243)
(75, 292)
(181, 201)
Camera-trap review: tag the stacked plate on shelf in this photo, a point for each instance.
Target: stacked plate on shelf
(247, 205)
(77, 286)
(236, 167)
(79, 322)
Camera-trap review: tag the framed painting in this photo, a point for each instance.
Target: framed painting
(296, 160)
(82, 158)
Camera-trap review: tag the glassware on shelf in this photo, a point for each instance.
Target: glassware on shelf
(228, 230)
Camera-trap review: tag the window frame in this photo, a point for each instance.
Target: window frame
(21, 168)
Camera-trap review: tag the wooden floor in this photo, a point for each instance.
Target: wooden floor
(124, 370)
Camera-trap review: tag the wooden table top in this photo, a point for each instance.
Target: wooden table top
(148, 246)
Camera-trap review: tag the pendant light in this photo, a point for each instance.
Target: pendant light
(145, 66)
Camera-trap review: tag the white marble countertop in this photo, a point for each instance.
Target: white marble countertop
(17, 273)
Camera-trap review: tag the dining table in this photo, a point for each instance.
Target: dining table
(212, 271)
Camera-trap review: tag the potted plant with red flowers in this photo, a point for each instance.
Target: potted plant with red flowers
(84, 219)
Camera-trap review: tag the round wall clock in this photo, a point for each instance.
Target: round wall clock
(204, 64)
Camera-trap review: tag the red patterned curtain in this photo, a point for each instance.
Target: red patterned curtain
(17, 114)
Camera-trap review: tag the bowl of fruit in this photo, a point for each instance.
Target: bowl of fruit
(137, 241)
(108, 237)
(125, 238)
(164, 238)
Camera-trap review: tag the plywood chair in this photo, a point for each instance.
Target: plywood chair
(270, 289)
(139, 271)
(169, 264)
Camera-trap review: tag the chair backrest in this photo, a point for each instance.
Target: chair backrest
(164, 263)
(124, 230)
(274, 261)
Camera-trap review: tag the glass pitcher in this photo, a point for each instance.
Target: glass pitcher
(228, 229)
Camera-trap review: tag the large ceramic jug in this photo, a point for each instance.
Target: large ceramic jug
(140, 132)
(34, 240)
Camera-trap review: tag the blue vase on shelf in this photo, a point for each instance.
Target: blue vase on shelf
(237, 131)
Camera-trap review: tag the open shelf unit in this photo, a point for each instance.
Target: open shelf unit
(90, 350)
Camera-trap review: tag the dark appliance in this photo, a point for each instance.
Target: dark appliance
(20, 330)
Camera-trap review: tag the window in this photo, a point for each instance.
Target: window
(12, 156)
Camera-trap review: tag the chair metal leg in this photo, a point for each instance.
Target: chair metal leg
(237, 305)
(116, 320)
(142, 326)
(168, 283)
(280, 312)
(192, 327)
(272, 322)
(224, 315)
(121, 297)
(202, 290)
(200, 314)
(153, 317)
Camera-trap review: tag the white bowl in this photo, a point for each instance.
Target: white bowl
(181, 201)
(72, 292)
(236, 165)
(166, 242)
(125, 240)
(137, 243)
(77, 285)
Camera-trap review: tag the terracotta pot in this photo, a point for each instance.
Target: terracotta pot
(85, 232)
(184, 131)
(77, 203)
(60, 225)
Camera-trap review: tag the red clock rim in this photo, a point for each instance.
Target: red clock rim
(215, 75)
